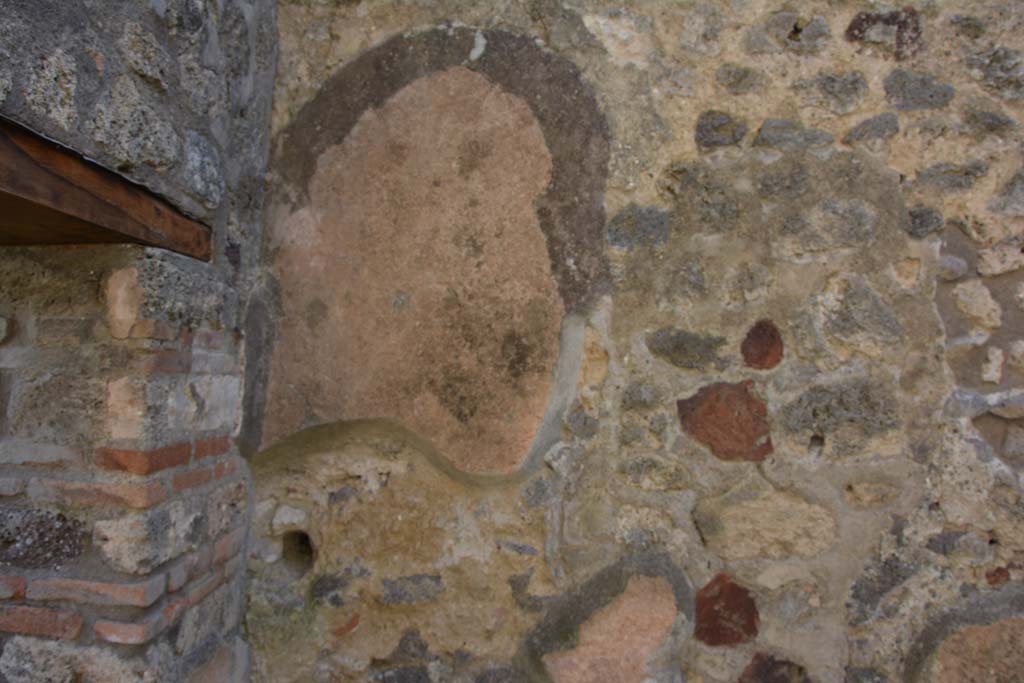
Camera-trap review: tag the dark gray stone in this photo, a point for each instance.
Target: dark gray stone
(407, 590)
(1003, 71)
(863, 403)
(33, 538)
(502, 675)
(719, 129)
(403, 674)
(684, 349)
(879, 127)
(789, 31)
(639, 395)
(944, 543)
(537, 492)
(740, 80)
(947, 176)
(581, 423)
(839, 91)
(983, 121)
(789, 135)
(924, 220)
(967, 26)
(915, 90)
(874, 584)
(636, 226)
(1010, 200)
(860, 674)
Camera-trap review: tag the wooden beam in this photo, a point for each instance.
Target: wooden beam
(50, 195)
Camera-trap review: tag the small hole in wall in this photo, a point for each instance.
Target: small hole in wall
(297, 552)
(816, 445)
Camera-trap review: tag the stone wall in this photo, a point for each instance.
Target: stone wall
(780, 428)
(124, 499)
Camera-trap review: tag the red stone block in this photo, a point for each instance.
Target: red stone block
(140, 496)
(41, 621)
(209, 447)
(762, 348)
(12, 587)
(188, 480)
(163, 362)
(228, 545)
(729, 419)
(137, 594)
(143, 462)
(132, 633)
(997, 576)
(726, 613)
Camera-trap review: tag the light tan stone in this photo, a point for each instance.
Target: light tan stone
(616, 643)
(975, 301)
(992, 368)
(987, 653)
(124, 296)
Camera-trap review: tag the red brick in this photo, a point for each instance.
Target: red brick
(211, 340)
(225, 468)
(163, 362)
(140, 496)
(762, 348)
(135, 632)
(40, 621)
(201, 587)
(136, 594)
(204, 560)
(12, 587)
(143, 462)
(726, 613)
(729, 419)
(997, 576)
(192, 478)
(154, 329)
(228, 545)
(215, 446)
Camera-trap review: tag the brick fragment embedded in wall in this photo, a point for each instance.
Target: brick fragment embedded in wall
(137, 495)
(182, 481)
(143, 461)
(41, 621)
(131, 594)
(12, 587)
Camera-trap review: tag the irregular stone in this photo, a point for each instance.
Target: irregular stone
(880, 127)
(855, 310)
(138, 542)
(684, 349)
(740, 80)
(992, 368)
(788, 31)
(1002, 69)
(144, 55)
(202, 171)
(845, 222)
(131, 131)
(762, 348)
(1017, 353)
(861, 403)
(764, 668)
(909, 90)
(639, 395)
(877, 581)
(726, 613)
(924, 220)
(982, 652)
(754, 520)
(983, 121)
(869, 494)
(581, 423)
(719, 129)
(860, 674)
(968, 26)
(636, 226)
(947, 176)
(617, 641)
(287, 517)
(33, 660)
(952, 268)
(729, 419)
(32, 538)
(408, 590)
(52, 89)
(898, 31)
(790, 135)
(1010, 200)
(1001, 258)
(838, 91)
(974, 300)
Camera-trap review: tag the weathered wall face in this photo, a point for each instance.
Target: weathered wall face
(788, 448)
(124, 500)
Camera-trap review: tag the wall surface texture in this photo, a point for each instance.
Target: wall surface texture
(124, 500)
(656, 341)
